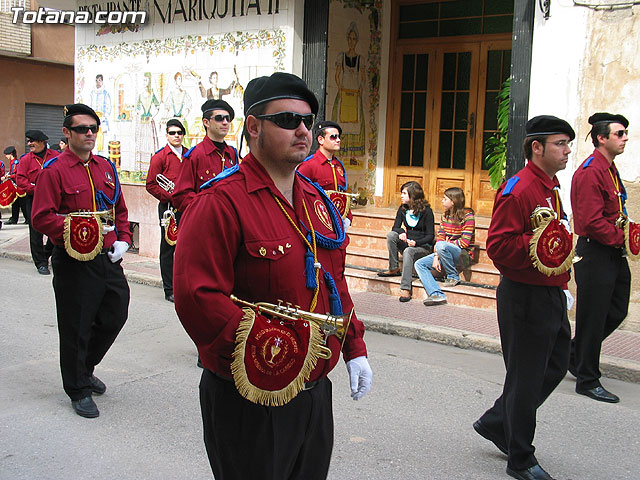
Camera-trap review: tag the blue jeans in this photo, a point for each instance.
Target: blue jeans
(448, 254)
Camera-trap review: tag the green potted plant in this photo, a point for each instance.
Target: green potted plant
(496, 145)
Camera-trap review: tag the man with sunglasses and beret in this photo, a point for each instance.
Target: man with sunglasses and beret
(602, 274)
(166, 162)
(210, 157)
(530, 244)
(78, 204)
(28, 170)
(272, 236)
(324, 168)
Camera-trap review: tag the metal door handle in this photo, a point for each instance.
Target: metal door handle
(472, 125)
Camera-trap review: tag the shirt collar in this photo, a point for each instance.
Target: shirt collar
(550, 183)
(600, 160)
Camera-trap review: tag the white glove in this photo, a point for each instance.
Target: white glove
(118, 250)
(566, 224)
(570, 299)
(347, 224)
(360, 375)
(106, 228)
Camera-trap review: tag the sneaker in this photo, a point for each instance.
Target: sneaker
(435, 300)
(451, 282)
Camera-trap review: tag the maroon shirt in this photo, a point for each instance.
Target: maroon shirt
(202, 163)
(168, 164)
(252, 250)
(510, 231)
(64, 187)
(594, 200)
(29, 168)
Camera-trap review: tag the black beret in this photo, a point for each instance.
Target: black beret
(548, 125)
(80, 109)
(609, 118)
(64, 140)
(174, 122)
(9, 149)
(327, 124)
(210, 105)
(36, 135)
(278, 86)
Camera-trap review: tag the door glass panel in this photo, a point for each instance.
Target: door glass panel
(462, 110)
(498, 70)
(413, 110)
(459, 150)
(446, 112)
(444, 150)
(464, 71)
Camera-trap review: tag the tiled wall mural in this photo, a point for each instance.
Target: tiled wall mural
(353, 77)
(137, 86)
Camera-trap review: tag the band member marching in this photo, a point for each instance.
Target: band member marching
(78, 204)
(163, 172)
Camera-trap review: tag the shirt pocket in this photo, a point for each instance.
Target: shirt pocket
(78, 197)
(271, 268)
(204, 174)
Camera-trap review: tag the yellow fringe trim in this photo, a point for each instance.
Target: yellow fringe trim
(275, 398)
(533, 247)
(83, 257)
(626, 242)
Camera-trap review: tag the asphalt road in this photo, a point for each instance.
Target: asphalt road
(415, 424)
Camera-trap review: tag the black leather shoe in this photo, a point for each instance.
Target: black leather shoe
(86, 407)
(169, 298)
(600, 394)
(486, 433)
(97, 386)
(43, 270)
(532, 473)
(11, 221)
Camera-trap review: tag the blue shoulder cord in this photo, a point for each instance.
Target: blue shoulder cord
(103, 201)
(326, 243)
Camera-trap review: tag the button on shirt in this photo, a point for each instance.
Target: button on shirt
(595, 201)
(203, 163)
(255, 253)
(510, 231)
(64, 187)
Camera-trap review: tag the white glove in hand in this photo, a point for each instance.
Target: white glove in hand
(347, 224)
(107, 228)
(570, 299)
(360, 375)
(118, 249)
(566, 224)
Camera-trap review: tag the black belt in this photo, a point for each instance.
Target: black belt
(307, 385)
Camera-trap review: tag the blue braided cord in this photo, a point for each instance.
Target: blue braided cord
(188, 154)
(310, 270)
(49, 162)
(336, 221)
(335, 303)
(227, 172)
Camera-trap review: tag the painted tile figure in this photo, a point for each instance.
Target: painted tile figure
(100, 101)
(146, 135)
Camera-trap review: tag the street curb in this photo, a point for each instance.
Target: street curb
(611, 367)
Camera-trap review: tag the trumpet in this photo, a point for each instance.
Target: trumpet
(104, 215)
(165, 183)
(329, 324)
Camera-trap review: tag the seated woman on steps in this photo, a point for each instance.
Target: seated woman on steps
(456, 233)
(412, 235)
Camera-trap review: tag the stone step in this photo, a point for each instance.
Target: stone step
(370, 259)
(468, 295)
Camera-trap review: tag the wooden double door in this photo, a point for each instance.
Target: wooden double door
(442, 107)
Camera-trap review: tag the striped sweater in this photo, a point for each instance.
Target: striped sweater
(461, 235)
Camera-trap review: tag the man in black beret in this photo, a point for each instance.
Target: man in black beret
(28, 170)
(20, 203)
(602, 275)
(270, 235)
(166, 163)
(209, 157)
(531, 304)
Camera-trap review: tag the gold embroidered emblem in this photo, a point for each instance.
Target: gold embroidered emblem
(322, 214)
(262, 251)
(281, 249)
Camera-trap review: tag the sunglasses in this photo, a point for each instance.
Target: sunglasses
(620, 133)
(176, 132)
(84, 129)
(334, 136)
(222, 118)
(290, 120)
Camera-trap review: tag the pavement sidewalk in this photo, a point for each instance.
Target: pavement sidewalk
(462, 327)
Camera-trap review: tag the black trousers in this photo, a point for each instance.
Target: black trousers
(19, 204)
(166, 255)
(40, 252)
(246, 441)
(92, 303)
(535, 337)
(604, 285)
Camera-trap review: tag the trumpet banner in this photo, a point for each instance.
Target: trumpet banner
(8, 193)
(273, 358)
(342, 202)
(83, 236)
(551, 247)
(171, 231)
(632, 239)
